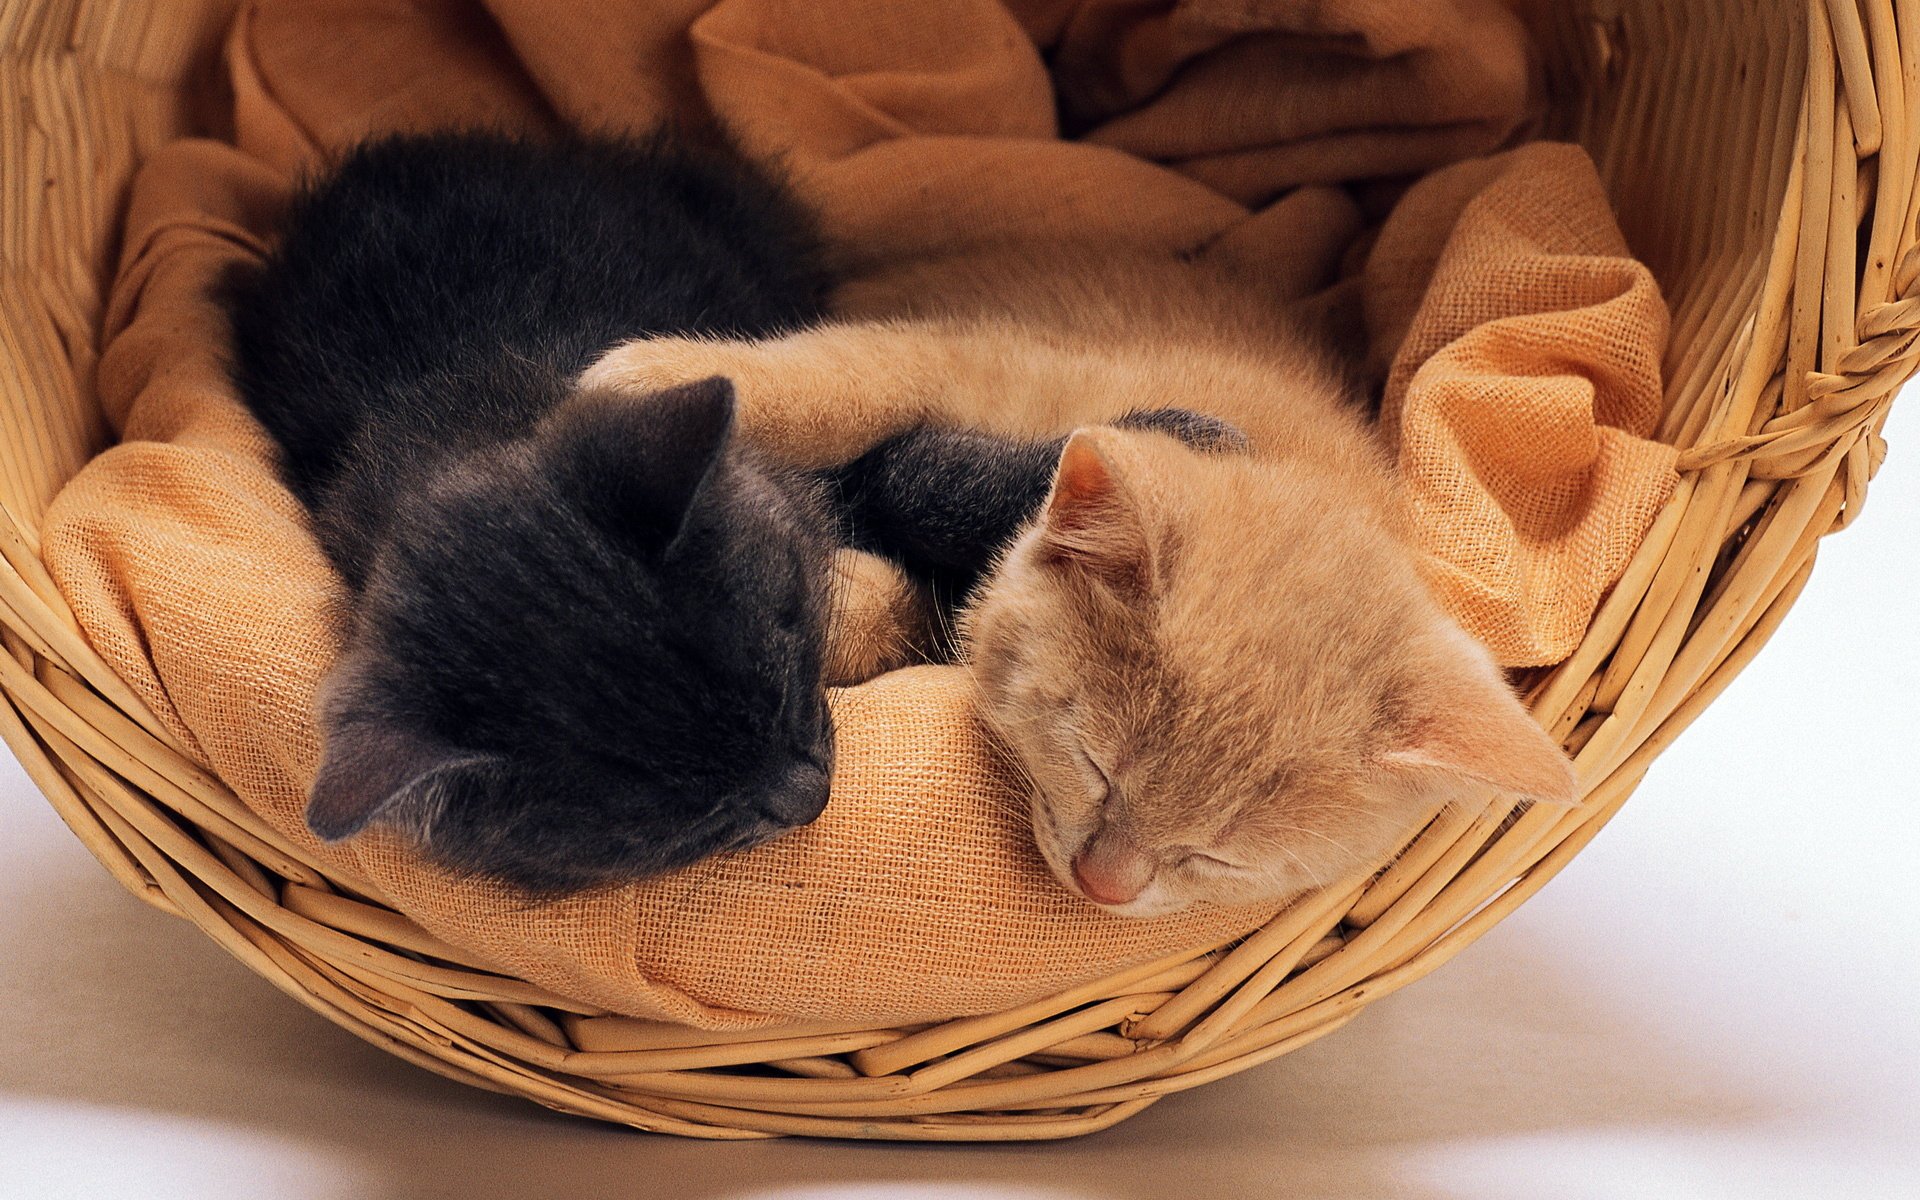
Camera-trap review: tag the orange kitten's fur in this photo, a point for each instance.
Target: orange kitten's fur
(881, 620)
(1221, 672)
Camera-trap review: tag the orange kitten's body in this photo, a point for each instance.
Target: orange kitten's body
(1028, 345)
(1222, 672)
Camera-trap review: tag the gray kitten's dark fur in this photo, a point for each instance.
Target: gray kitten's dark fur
(586, 633)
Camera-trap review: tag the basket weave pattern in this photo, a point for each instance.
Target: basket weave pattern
(1763, 161)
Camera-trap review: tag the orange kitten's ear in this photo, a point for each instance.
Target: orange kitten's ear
(1466, 724)
(1092, 521)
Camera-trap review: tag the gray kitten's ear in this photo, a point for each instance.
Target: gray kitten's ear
(1092, 521)
(370, 771)
(639, 462)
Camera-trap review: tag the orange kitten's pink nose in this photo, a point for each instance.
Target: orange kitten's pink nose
(1110, 869)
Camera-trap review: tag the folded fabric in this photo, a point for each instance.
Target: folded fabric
(1523, 345)
(914, 128)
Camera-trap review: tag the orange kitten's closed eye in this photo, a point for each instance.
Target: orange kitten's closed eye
(1267, 696)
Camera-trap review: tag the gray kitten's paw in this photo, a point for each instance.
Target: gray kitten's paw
(1207, 434)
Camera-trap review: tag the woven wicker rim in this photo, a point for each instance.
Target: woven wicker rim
(1763, 160)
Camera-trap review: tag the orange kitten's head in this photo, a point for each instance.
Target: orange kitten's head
(1227, 681)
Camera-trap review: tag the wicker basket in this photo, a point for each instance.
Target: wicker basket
(1762, 157)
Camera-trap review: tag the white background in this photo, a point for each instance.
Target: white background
(1717, 998)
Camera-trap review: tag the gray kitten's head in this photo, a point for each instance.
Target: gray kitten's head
(590, 656)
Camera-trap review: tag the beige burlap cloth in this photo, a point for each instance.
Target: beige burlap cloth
(1527, 368)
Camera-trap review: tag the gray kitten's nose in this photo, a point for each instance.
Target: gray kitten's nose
(799, 794)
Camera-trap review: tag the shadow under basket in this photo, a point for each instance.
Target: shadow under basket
(1762, 160)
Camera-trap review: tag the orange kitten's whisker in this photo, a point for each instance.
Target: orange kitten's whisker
(1315, 833)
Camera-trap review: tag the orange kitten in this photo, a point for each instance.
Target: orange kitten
(1222, 673)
